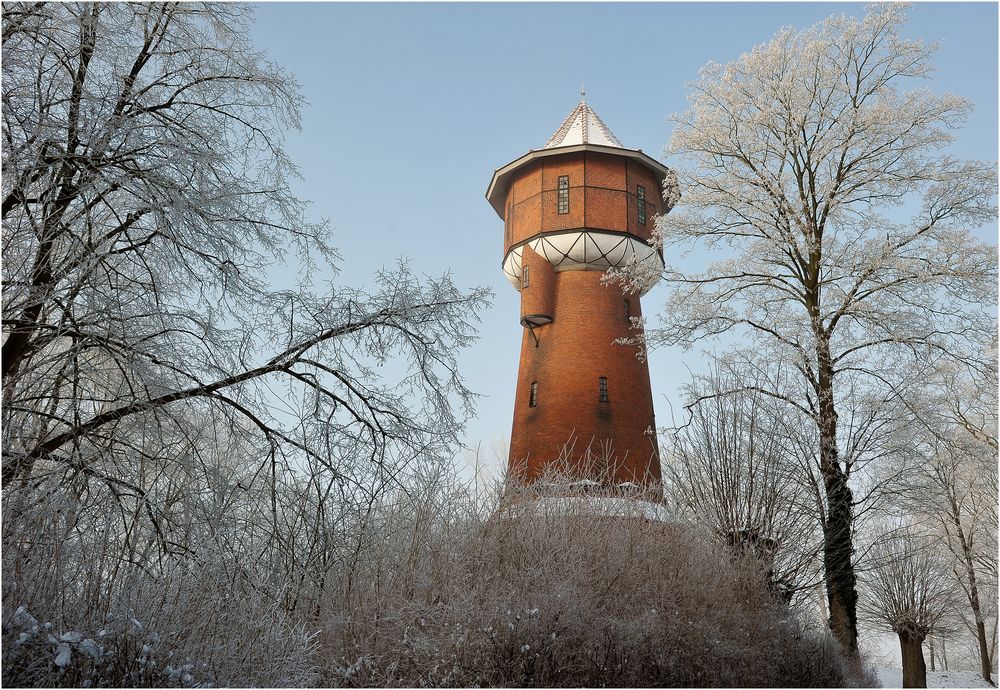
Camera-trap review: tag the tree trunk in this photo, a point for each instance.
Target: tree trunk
(914, 670)
(985, 667)
(838, 547)
(984, 650)
(841, 583)
(930, 643)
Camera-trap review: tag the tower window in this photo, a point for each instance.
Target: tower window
(640, 196)
(533, 397)
(603, 388)
(524, 278)
(506, 225)
(628, 310)
(564, 194)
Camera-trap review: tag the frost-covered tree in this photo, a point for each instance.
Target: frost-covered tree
(910, 593)
(802, 158)
(953, 488)
(146, 212)
(731, 467)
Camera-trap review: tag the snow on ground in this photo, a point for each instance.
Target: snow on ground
(893, 678)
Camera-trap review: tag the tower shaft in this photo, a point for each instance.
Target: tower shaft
(581, 397)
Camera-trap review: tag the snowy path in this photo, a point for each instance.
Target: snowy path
(893, 678)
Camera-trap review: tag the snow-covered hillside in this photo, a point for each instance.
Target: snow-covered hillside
(893, 678)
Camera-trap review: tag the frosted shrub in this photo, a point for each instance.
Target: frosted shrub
(76, 614)
(565, 600)
(180, 638)
(120, 653)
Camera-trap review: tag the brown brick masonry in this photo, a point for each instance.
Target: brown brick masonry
(538, 291)
(570, 356)
(602, 196)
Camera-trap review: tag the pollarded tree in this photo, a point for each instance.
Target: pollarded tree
(795, 157)
(910, 593)
(145, 199)
(731, 467)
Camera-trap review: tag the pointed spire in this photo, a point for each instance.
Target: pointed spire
(582, 126)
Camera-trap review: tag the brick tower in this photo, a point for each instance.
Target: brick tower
(571, 210)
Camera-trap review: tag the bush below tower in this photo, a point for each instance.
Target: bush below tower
(557, 598)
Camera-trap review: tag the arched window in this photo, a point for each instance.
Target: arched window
(524, 278)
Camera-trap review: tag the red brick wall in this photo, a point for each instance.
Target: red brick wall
(603, 170)
(636, 175)
(524, 199)
(602, 190)
(571, 354)
(537, 297)
(570, 165)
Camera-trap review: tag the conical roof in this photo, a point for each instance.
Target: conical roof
(580, 131)
(582, 126)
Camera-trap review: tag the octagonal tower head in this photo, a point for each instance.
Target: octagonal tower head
(582, 201)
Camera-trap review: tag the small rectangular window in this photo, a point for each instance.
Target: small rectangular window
(564, 194)
(628, 310)
(506, 225)
(524, 277)
(533, 397)
(603, 388)
(640, 196)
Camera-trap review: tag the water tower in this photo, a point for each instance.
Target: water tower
(571, 210)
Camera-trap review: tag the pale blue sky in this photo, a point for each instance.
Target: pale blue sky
(412, 107)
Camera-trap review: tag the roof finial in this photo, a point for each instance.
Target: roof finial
(582, 94)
